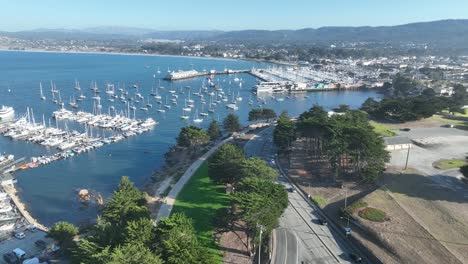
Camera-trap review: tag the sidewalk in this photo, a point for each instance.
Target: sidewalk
(169, 201)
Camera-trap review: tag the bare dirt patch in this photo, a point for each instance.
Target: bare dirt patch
(405, 240)
(235, 246)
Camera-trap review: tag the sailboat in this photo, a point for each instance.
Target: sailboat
(81, 97)
(53, 88)
(54, 100)
(186, 108)
(190, 101)
(238, 97)
(42, 94)
(73, 103)
(184, 115)
(77, 85)
(203, 113)
(167, 106)
(250, 100)
(157, 96)
(60, 100)
(160, 110)
(94, 87)
(148, 104)
(152, 91)
(197, 118)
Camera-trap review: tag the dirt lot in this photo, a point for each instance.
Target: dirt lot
(428, 208)
(435, 199)
(405, 239)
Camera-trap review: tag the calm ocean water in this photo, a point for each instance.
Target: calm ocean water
(50, 191)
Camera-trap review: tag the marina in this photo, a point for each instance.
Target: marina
(194, 101)
(71, 142)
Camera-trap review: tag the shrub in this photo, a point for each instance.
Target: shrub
(464, 170)
(372, 214)
(349, 210)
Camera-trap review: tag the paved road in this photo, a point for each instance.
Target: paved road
(287, 240)
(168, 203)
(315, 243)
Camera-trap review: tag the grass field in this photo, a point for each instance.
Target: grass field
(372, 214)
(449, 164)
(321, 201)
(448, 121)
(459, 114)
(201, 199)
(382, 129)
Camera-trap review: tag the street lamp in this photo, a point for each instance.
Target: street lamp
(260, 242)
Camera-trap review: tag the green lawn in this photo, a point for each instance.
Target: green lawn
(382, 129)
(449, 164)
(321, 201)
(446, 120)
(458, 114)
(372, 214)
(200, 199)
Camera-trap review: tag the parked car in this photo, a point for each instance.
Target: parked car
(406, 129)
(19, 253)
(322, 221)
(20, 235)
(292, 190)
(355, 258)
(40, 244)
(10, 258)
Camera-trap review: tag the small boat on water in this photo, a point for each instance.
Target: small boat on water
(40, 90)
(6, 112)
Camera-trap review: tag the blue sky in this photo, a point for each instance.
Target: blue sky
(223, 15)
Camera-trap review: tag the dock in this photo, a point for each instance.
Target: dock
(181, 75)
(12, 193)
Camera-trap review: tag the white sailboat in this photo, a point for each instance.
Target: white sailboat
(148, 104)
(42, 94)
(167, 106)
(197, 118)
(186, 109)
(238, 97)
(77, 85)
(203, 113)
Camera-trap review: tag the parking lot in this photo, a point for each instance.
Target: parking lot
(27, 244)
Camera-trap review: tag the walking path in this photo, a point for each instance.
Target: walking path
(168, 203)
(11, 191)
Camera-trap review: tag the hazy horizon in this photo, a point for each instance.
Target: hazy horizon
(202, 29)
(181, 15)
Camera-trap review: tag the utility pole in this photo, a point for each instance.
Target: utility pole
(407, 156)
(260, 243)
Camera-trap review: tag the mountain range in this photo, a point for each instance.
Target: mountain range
(444, 31)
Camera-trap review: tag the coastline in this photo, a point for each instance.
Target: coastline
(147, 54)
(118, 53)
(12, 193)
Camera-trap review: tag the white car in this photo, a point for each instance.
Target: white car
(20, 235)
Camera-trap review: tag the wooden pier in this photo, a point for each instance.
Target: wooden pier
(194, 74)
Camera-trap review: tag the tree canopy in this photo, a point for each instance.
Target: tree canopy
(256, 167)
(213, 130)
(231, 123)
(192, 136)
(285, 132)
(125, 233)
(259, 201)
(224, 165)
(348, 141)
(63, 233)
(261, 114)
